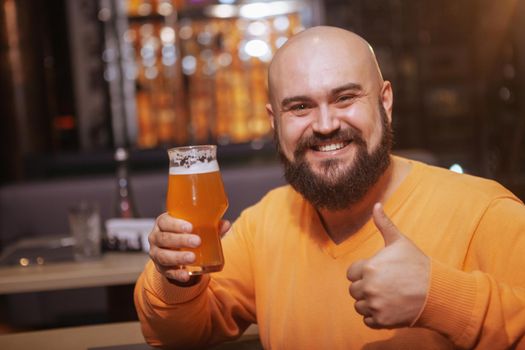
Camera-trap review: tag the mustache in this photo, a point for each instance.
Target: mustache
(315, 139)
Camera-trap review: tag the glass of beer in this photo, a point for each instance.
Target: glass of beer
(196, 194)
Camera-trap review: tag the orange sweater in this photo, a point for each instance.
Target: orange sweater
(284, 273)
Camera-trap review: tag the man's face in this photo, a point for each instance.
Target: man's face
(339, 186)
(333, 135)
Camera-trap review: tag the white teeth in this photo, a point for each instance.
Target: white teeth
(331, 147)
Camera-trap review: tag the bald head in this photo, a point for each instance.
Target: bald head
(323, 49)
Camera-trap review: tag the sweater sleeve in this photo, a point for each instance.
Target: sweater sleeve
(482, 305)
(217, 309)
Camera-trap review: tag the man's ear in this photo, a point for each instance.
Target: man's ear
(387, 99)
(269, 110)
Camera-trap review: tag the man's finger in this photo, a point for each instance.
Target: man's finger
(355, 271)
(167, 223)
(369, 321)
(386, 227)
(361, 307)
(169, 258)
(170, 240)
(178, 274)
(356, 290)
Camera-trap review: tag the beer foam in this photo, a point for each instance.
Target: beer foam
(195, 168)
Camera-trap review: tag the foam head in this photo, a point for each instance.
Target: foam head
(196, 168)
(193, 160)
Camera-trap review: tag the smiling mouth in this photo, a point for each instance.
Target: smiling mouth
(329, 147)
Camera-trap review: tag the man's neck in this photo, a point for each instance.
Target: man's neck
(344, 223)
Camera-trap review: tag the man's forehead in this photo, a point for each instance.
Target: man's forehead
(322, 58)
(315, 75)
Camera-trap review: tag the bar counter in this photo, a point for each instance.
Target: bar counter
(110, 270)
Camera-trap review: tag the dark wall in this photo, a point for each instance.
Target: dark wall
(36, 96)
(457, 69)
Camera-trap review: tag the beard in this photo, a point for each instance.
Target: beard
(336, 188)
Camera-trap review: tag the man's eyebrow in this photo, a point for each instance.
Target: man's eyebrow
(349, 86)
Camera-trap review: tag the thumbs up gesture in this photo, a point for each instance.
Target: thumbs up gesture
(390, 287)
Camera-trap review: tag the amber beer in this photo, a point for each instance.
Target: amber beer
(196, 194)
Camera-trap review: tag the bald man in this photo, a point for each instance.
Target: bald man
(362, 250)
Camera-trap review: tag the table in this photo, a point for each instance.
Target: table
(85, 337)
(112, 269)
(110, 336)
(115, 268)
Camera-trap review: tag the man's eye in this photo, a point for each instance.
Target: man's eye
(299, 107)
(344, 98)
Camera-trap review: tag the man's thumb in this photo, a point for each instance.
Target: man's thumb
(224, 227)
(387, 228)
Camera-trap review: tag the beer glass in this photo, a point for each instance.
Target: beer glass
(196, 194)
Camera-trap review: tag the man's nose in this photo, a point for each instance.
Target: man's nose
(325, 121)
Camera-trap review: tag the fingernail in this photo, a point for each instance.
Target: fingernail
(189, 257)
(195, 241)
(186, 227)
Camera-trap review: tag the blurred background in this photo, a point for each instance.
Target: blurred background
(79, 78)
(82, 78)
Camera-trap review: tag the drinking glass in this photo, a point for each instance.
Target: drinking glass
(196, 194)
(84, 224)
